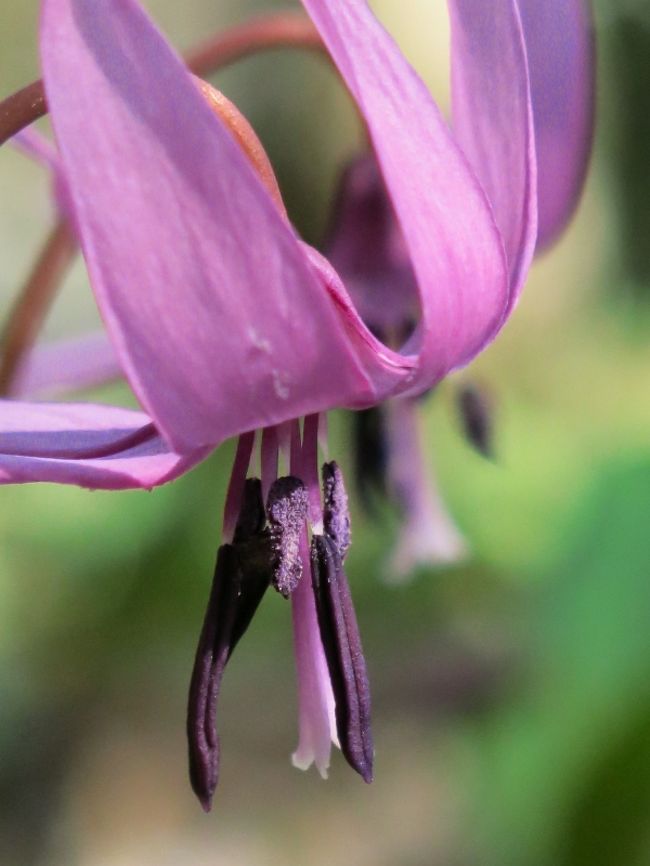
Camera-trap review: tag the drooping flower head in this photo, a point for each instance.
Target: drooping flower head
(225, 323)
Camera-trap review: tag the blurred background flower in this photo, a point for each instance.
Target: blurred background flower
(512, 692)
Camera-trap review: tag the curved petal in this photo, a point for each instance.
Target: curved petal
(493, 120)
(85, 444)
(561, 60)
(364, 248)
(386, 366)
(448, 227)
(219, 321)
(67, 365)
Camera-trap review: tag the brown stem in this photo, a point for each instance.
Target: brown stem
(262, 33)
(31, 307)
(21, 108)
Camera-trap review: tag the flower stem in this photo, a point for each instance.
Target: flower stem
(264, 32)
(34, 301)
(21, 108)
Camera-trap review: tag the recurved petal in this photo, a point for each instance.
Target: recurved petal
(365, 247)
(493, 120)
(85, 444)
(386, 368)
(454, 245)
(219, 320)
(561, 60)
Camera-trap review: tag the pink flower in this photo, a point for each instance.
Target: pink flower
(226, 323)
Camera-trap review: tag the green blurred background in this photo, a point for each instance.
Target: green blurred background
(511, 694)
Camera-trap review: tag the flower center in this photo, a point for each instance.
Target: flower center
(266, 543)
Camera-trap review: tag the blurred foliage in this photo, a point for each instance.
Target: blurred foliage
(629, 50)
(565, 769)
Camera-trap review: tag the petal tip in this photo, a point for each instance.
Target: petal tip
(303, 759)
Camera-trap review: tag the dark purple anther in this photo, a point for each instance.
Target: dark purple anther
(286, 509)
(336, 513)
(252, 516)
(211, 657)
(474, 406)
(241, 577)
(342, 644)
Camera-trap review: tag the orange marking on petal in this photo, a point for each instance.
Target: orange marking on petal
(246, 138)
